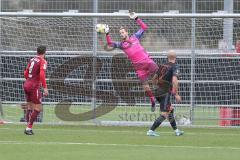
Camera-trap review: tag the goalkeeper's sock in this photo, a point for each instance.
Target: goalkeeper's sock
(33, 118)
(150, 94)
(158, 122)
(152, 99)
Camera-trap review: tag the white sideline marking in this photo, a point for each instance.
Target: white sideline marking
(112, 144)
(135, 132)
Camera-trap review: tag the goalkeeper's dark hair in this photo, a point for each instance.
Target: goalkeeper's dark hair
(41, 50)
(125, 28)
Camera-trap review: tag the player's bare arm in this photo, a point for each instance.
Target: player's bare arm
(175, 89)
(155, 79)
(43, 77)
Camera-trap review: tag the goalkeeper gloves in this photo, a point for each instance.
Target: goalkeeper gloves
(106, 29)
(133, 15)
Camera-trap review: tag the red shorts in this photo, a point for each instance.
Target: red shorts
(32, 92)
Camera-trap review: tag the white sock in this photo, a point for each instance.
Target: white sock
(28, 129)
(177, 130)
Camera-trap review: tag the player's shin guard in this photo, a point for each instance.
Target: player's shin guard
(172, 120)
(158, 122)
(33, 118)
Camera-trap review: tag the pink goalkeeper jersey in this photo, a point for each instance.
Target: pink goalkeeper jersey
(132, 47)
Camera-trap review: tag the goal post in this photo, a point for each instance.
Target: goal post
(206, 86)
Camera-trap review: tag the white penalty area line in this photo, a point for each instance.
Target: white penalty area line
(113, 145)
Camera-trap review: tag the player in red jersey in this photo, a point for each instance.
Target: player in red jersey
(35, 78)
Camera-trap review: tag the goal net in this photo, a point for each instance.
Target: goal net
(88, 84)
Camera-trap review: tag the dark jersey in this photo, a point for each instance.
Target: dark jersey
(166, 72)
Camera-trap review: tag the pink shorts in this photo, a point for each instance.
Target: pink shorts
(32, 92)
(145, 69)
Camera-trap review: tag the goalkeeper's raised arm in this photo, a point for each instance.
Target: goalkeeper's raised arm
(142, 25)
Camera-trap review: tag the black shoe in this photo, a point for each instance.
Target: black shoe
(28, 132)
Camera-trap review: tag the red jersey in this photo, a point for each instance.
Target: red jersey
(35, 71)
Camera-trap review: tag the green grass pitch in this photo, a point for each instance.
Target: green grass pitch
(81, 142)
(202, 115)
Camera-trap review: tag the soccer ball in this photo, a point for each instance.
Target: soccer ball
(100, 28)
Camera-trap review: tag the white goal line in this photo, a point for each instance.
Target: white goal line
(114, 144)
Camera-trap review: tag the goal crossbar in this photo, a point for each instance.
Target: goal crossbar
(119, 14)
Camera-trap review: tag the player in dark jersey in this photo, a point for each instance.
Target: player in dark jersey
(35, 78)
(166, 80)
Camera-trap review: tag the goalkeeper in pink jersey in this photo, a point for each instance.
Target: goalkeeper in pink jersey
(144, 66)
